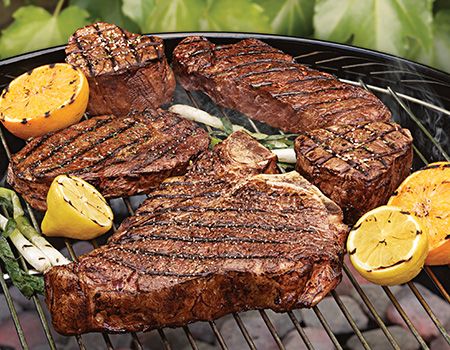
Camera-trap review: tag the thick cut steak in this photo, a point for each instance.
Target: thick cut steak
(228, 236)
(358, 167)
(121, 156)
(125, 70)
(268, 85)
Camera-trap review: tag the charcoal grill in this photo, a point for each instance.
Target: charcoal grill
(419, 98)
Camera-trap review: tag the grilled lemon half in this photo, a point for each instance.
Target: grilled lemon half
(426, 195)
(387, 246)
(45, 99)
(75, 209)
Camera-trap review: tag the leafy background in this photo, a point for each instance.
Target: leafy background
(414, 29)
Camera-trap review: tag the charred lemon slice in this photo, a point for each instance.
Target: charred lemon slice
(45, 99)
(387, 246)
(75, 209)
(426, 195)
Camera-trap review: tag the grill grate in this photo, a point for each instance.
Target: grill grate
(409, 90)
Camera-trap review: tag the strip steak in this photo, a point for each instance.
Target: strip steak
(268, 85)
(121, 156)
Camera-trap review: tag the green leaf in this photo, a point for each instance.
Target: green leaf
(235, 16)
(138, 11)
(290, 17)
(384, 25)
(441, 49)
(34, 28)
(6, 3)
(108, 11)
(165, 16)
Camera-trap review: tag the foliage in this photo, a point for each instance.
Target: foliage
(34, 28)
(415, 29)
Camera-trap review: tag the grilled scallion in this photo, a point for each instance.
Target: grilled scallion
(281, 145)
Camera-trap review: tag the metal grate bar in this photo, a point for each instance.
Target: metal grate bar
(405, 318)
(164, 340)
(437, 283)
(218, 335)
(420, 155)
(403, 96)
(272, 329)
(190, 338)
(244, 331)
(327, 328)
(430, 312)
(371, 308)
(13, 311)
(350, 320)
(300, 331)
(419, 124)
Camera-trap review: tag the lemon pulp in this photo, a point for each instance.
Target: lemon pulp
(387, 246)
(75, 209)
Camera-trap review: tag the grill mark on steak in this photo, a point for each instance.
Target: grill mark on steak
(247, 64)
(127, 238)
(154, 272)
(97, 143)
(131, 46)
(53, 151)
(309, 93)
(87, 62)
(35, 146)
(267, 71)
(190, 183)
(104, 44)
(217, 48)
(185, 196)
(297, 81)
(192, 256)
(214, 225)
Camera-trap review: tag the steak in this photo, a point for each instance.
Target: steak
(121, 156)
(268, 85)
(226, 237)
(121, 68)
(358, 167)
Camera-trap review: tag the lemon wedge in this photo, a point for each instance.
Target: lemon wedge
(75, 209)
(45, 99)
(387, 246)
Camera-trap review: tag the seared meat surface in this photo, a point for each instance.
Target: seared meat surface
(125, 70)
(228, 236)
(121, 156)
(358, 167)
(268, 85)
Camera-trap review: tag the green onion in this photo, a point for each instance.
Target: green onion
(281, 145)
